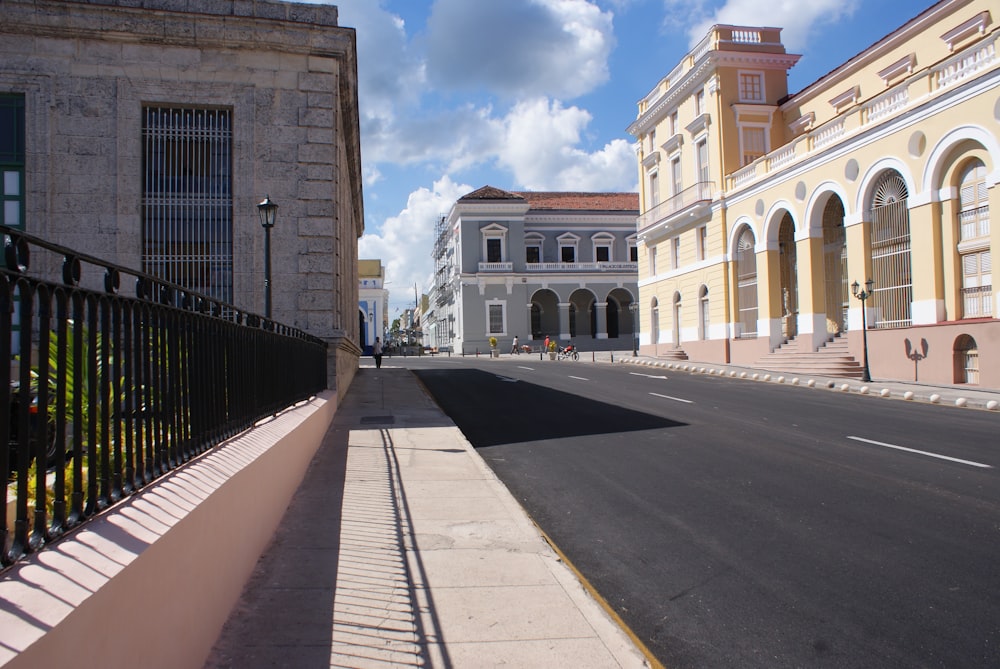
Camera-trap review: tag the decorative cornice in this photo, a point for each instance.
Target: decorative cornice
(904, 64)
(977, 24)
(850, 96)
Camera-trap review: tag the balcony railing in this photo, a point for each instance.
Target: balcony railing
(699, 192)
(496, 267)
(102, 393)
(888, 104)
(582, 267)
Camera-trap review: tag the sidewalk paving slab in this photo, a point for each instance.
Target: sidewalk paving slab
(401, 548)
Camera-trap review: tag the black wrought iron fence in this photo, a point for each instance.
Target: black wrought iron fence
(102, 392)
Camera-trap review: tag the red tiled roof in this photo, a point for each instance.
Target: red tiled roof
(490, 193)
(582, 201)
(558, 200)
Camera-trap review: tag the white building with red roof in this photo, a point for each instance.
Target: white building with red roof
(534, 265)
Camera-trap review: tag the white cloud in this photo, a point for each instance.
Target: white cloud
(541, 148)
(799, 20)
(514, 48)
(405, 241)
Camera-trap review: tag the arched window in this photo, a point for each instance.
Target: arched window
(703, 318)
(890, 250)
(677, 319)
(746, 285)
(974, 243)
(966, 360)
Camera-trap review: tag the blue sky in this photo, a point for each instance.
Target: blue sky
(536, 95)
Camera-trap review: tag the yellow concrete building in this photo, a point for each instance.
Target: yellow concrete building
(761, 209)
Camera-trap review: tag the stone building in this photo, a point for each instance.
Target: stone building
(531, 265)
(764, 213)
(146, 133)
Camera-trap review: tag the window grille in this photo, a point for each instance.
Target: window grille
(890, 248)
(187, 198)
(12, 186)
(496, 318)
(746, 285)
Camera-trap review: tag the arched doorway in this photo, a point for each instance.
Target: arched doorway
(966, 359)
(746, 285)
(582, 315)
(677, 320)
(544, 314)
(654, 320)
(787, 261)
(619, 318)
(835, 266)
(704, 321)
(890, 252)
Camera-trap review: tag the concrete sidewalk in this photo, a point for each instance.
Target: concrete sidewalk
(401, 548)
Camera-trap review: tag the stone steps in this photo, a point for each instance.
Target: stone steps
(672, 354)
(794, 357)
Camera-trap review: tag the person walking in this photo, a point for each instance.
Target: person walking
(545, 346)
(377, 353)
(514, 348)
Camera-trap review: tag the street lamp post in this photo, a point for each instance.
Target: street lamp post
(634, 308)
(268, 211)
(864, 295)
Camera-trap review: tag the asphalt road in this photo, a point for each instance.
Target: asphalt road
(739, 524)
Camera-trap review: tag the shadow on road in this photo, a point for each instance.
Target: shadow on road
(492, 410)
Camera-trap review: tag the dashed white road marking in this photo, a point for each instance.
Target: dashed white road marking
(927, 453)
(579, 378)
(676, 399)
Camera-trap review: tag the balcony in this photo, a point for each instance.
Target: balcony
(582, 267)
(496, 267)
(687, 201)
(861, 117)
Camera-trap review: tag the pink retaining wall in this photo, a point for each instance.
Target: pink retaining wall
(153, 581)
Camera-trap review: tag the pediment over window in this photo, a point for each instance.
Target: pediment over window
(977, 24)
(673, 145)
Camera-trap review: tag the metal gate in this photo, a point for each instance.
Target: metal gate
(890, 247)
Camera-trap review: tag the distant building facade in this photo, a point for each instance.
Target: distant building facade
(146, 133)
(532, 265)
(373, 299)
(761, 209)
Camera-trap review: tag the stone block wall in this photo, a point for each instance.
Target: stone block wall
(288, 74)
